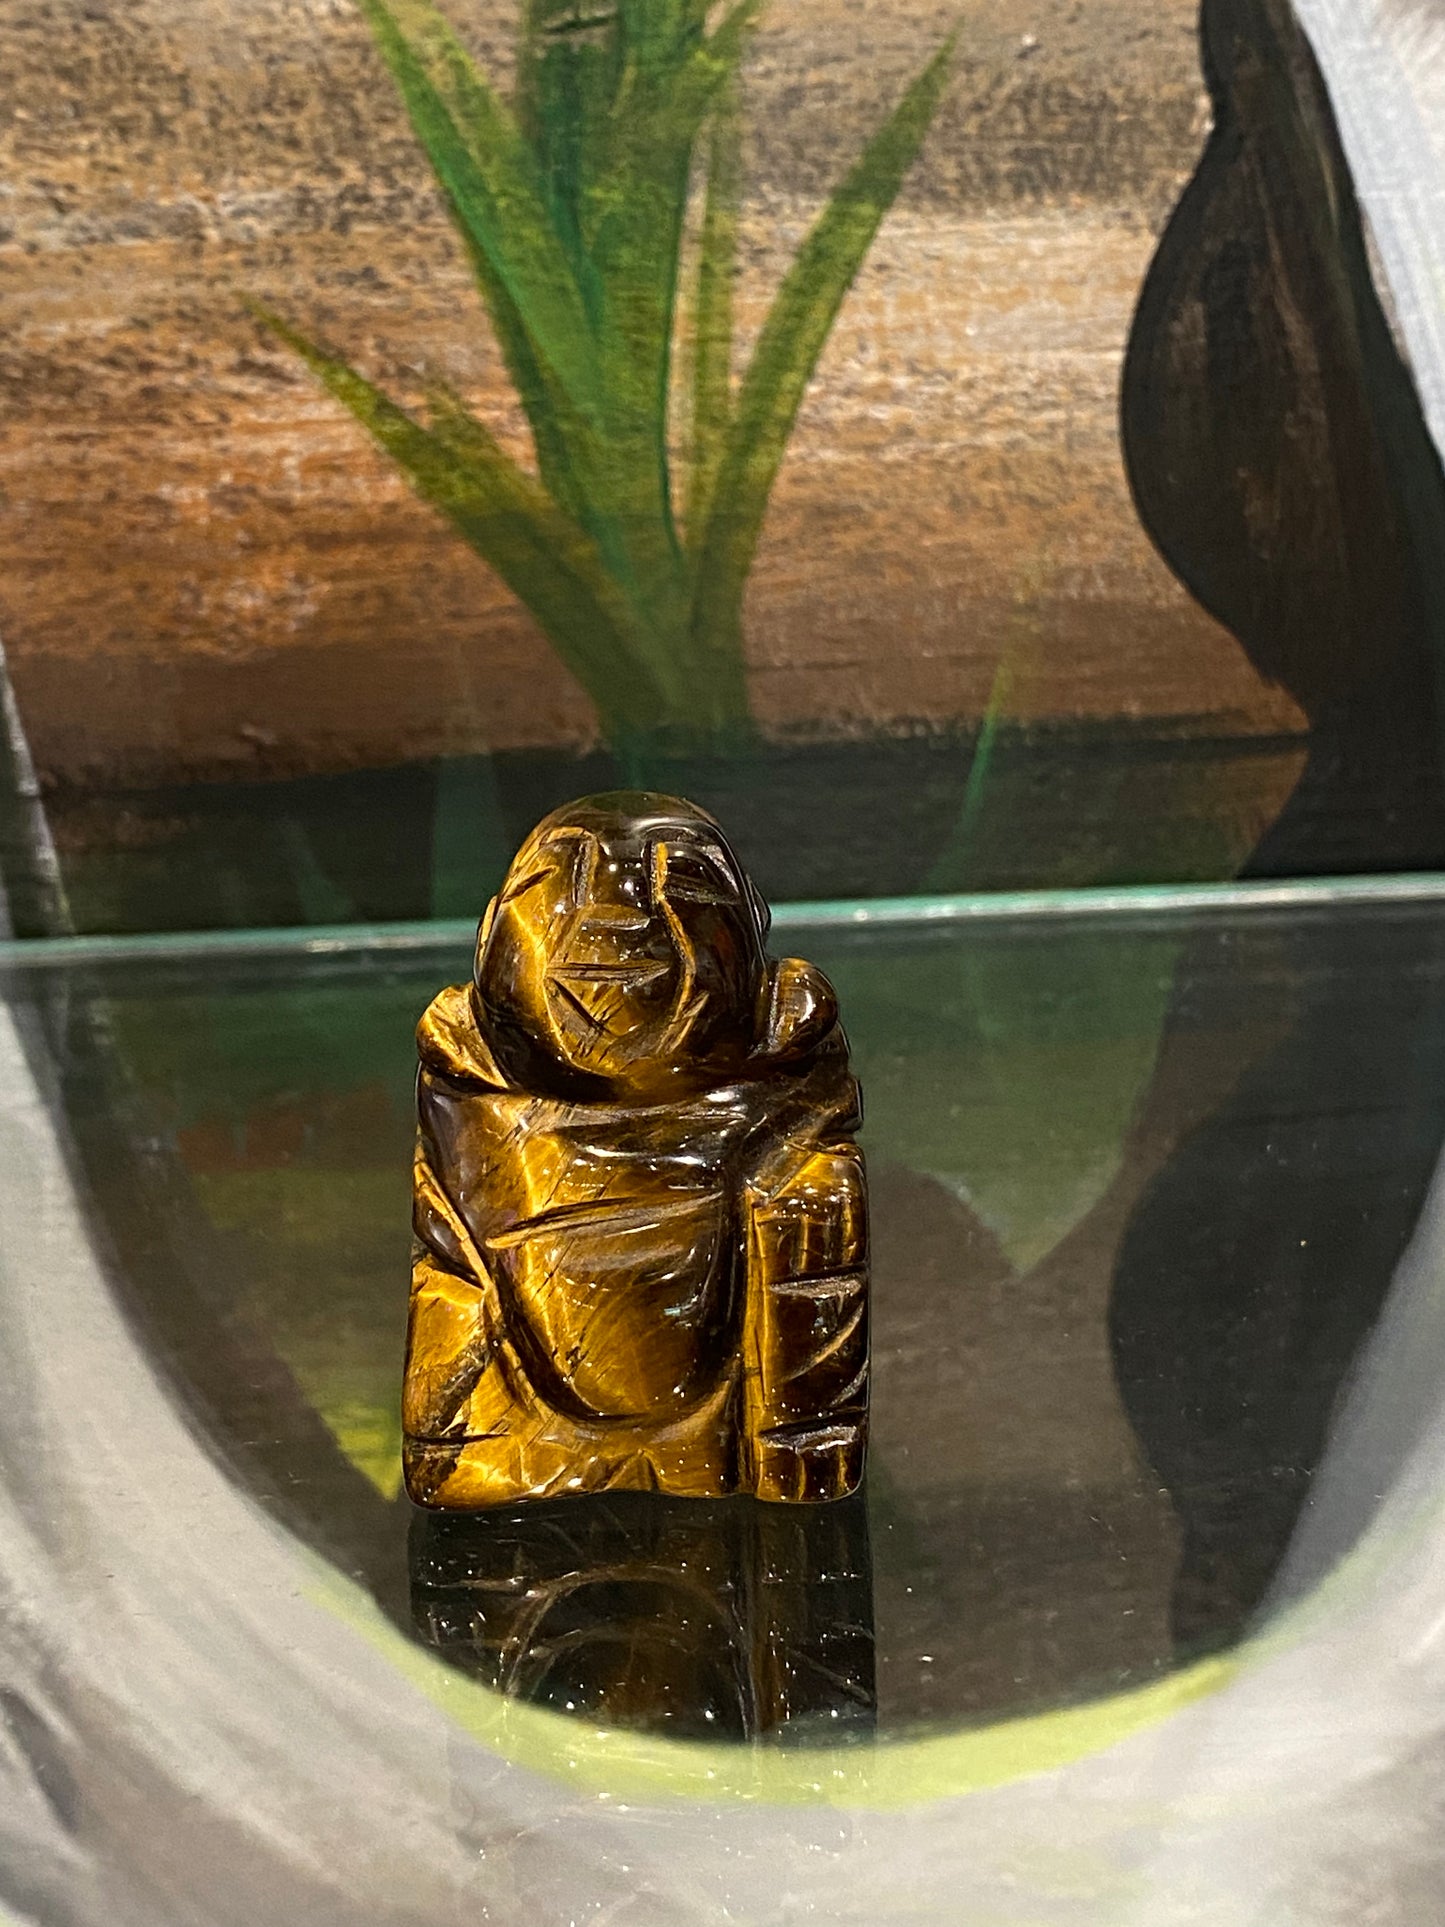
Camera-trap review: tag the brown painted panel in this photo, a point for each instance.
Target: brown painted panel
(207, 571)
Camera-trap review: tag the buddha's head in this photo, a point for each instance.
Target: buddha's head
(626, 949)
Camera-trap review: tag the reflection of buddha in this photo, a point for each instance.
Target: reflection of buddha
(639, 1210)
(720, 1622)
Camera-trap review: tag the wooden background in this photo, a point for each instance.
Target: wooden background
(205, 571)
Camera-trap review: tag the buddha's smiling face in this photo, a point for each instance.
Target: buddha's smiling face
(625, 946)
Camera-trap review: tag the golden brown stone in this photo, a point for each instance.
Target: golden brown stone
(705, 1622)
(641, 1218)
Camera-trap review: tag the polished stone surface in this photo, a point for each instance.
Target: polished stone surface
(640, 1212)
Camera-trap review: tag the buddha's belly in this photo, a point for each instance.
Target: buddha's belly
(624, 1301)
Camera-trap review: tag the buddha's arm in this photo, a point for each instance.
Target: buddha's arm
(806, 1328)
(451, 1333)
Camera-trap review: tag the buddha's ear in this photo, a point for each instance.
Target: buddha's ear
(484, 928)
(451, 1043)
(760, 908)
(802, 1009)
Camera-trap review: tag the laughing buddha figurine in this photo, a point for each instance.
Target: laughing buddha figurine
(640, 1216)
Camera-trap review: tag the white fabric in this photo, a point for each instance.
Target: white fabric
(1384, 62)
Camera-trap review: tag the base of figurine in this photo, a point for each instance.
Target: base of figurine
(699, 1622)
(688, 1461)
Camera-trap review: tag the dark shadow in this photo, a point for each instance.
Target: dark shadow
(718, 1619)
(1281, 463)
(1257, 1262)
(1279, 458)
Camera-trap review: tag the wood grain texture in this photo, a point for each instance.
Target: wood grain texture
(206, 570)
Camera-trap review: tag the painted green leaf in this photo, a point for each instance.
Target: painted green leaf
(511, 521)
(608, 619)
(490, 178)
(570, 65)
(792, 339)
(712, 326)
(1009, 1071)
(717, 59)
(637, 203)
(572, 204)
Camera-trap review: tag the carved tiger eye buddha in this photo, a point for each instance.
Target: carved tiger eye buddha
(640, 1216)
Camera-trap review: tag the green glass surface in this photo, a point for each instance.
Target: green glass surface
(1107, 1134)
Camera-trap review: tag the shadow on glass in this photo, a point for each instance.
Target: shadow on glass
(719, 1620)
